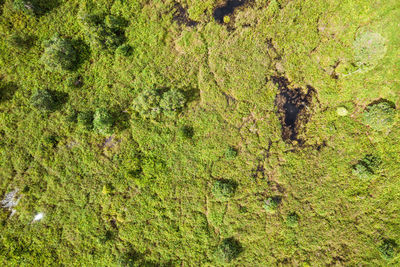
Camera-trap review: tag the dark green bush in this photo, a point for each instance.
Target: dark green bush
(186, 131)
(59, 54)
(44, 100)
(292, 219)
(75, 81)
(367, 167)
(124, 50)
(172, 102)
(26, 6)
(103, 121)
(271, 204)
(228, 250)
(20, 40)
(104, 33)
(223, 189)
(379, 116)
(231, 152)
(388, 248)
(147, 104)
(85, 119)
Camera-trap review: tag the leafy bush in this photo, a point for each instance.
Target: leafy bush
(26, 6)
(228, 250)
(20, 40)
(271, 204)
(231, 152)
(223, 189)
(85, 119)
(104, 33)
(388, 248)
(102, 121)
(369, 48)
(172, 102)
(292, 219)
(44, 100)
(59, 54)
(367, 167)
(147, 104)
(186, 131)
(379, 116)
(124, 50)
(75, 81)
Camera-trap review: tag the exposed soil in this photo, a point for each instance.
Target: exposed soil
(293, 106)
(227, 9)
(181, 16)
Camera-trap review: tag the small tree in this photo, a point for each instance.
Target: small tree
(379, 116)
(20, 40)
(44, 100)
(388, 248)
(367, 167)
(292, 220)
(103, 121)
(147, 104)
(231, 152)
(223, 189)
(172, 102)
(271, 204)
(228, 250)
(59, 54)
(85, 119)
(26, 6)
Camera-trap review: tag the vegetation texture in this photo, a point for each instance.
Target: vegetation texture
(199, 133)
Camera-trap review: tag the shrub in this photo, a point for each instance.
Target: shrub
(231, 152)
(124, 50)
(147, 104)
(172, 102)
(102, 121)
(26, 6)
(103, 33)
(223, 189)
(366, 167)
(379, 116)
(85, 119)
(186, 131)
(388, 248)
(292, 220)
(20, 40)
(228, 250)
(74, 81)
(59, 54)
(271, 204)
(369, 48)
(44, 100)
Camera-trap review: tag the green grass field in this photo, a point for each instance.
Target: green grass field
(151, 133)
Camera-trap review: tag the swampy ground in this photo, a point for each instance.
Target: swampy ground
(276, 142)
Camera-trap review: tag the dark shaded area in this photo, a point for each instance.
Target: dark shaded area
(7, 91)
(227, 9)
(382, 100)
(181, 16)
(292, 108)
(82, 51)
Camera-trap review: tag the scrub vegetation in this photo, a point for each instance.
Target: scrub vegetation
(199, 133)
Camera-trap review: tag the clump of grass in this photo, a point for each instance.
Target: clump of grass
(292, 220)
(369, 48)
(379, 116)
(228, 250)
(223, 189)
(388, 249)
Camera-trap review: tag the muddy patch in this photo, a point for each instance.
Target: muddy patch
(228, 9)
(182, 17)
(294, 108)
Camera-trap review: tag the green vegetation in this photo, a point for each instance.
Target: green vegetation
(379, 116)
(223, 189)
(181, 133)
(59, 54)
(228, 250)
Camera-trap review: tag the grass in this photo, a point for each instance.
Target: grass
(124, 189)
